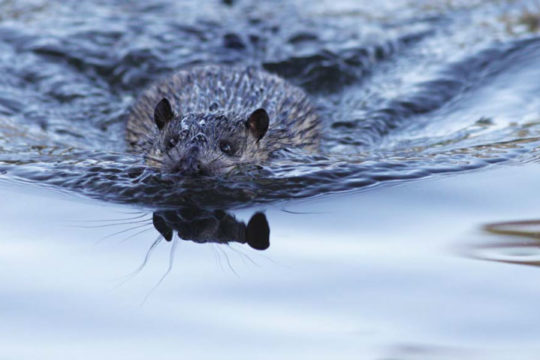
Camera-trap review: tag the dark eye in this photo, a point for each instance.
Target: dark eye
(172, 142)
(226, 147)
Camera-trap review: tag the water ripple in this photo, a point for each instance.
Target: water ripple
(401, 99)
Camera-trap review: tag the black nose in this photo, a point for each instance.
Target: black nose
(193, 168)
(190, 164)
(187, 168)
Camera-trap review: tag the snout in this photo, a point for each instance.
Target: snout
(189, 164)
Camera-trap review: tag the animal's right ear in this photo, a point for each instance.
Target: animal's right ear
(163, 113)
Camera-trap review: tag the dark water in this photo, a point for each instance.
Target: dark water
(405, 90)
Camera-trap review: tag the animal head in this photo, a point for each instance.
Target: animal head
(207, 143)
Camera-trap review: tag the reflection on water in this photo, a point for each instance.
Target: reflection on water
(368, 275)
(516, 242)
(190, 223)
(212, 226)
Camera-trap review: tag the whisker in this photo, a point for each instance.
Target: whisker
(114, 220)
(217, 158)
(233, 166)
(242, 255)
(129, 237)
(136, 212)
(228, 261)
(148, 254)
(171, 262)
(123, 231)
(142, 221)
(218, 257)
(145, 261)
(150, 157)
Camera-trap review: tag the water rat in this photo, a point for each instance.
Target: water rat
(208, 120)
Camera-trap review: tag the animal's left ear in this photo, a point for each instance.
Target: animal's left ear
(257, 123)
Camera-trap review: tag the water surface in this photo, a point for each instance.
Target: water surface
(405, 89)
(399, 272)
(411, 234)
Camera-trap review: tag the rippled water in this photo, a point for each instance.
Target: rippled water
(443, 268)
(405, 90)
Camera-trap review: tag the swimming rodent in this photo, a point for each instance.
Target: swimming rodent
(209, 120)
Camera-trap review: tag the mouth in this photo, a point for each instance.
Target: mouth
(190, 168)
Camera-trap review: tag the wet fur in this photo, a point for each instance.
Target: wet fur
(212, 104)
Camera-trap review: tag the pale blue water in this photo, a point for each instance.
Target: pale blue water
(385, 274)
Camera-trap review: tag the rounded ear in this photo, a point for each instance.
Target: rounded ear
(163, 113)
(258, 232)
(257, 123)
